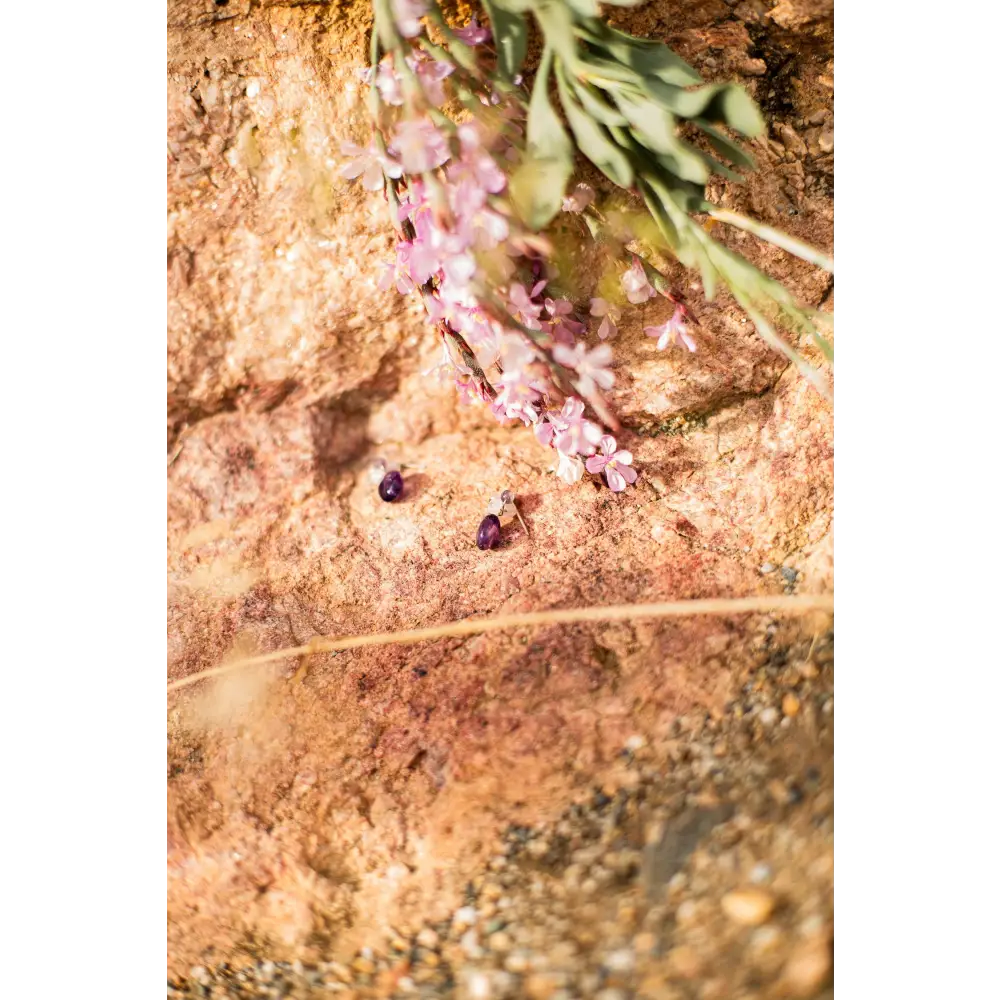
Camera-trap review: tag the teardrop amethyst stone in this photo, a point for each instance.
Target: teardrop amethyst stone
(391, 487)
(488, 535)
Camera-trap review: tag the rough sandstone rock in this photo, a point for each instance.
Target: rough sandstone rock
(313, 800)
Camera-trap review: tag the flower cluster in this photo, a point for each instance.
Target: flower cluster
(508, 338)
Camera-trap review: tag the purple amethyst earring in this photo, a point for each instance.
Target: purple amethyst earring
(389, 479)
(502, 506)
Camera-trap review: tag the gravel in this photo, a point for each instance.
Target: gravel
(708, 875)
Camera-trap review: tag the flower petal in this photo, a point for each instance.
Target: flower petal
(596, 463)
(373, 179)
(608, 445)
(628, 473)
(616, 482)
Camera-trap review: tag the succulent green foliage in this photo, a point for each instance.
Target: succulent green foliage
(625, 100)
(538, 184)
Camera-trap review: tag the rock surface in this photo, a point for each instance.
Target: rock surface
(314, 804)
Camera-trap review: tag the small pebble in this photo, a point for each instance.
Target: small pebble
(478, 986)
(807, 970)
(517, 961)
(470, 944)
(622, 960)
(428, 938)
(542, 985)
(685, 961)
(749, 907)
(769, 716)
(500, 942)
(790, 704)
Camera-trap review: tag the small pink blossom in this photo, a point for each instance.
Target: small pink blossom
(476, 163)
(369, 164)
(570, 468)
(431, 73)
(397, 273)
(419, 146)
(615, 464)
(407, 14)
(515, 354)
(468, 391)
(389, 83)
(516, 398)
(524, 310)
(544, 430)
(673, 330)
(636, 285)
(562, 326)
(611, 315)
(591, 366)
(582, 196)
(573, 435)
(473, 33)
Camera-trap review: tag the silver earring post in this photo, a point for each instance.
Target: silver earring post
(504, 506)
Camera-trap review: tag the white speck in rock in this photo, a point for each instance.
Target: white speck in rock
(622, 960)
(769, 716)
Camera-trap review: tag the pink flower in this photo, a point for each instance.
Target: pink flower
(524, 310)
(397, 273)
(368, 164)
(573, 435)
(407, 14)
(431, 75)
(614, 464)
(570, 468)
(515, 354)
(544, 430)
(473, 33)
(419, 145)
(389, 83)
(516, 398)
(675, 328)
(611, 315)
(468, 391)
(582, 196)
(591, 366)
(563, 328)
(476, 163)
(634, 282)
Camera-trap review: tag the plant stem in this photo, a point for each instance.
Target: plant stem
(775, 236)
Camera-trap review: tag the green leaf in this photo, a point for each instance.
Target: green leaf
(725, 146)
(665, 224)
(593, 139)
(691, 236)
(601, 71)
(738, 110)
(654, 128)
(596, 106)
(556, 21)
(537, 188)
(723, 102)
(645, 57)
(585, 8)
(510, 34)
(538, 185)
